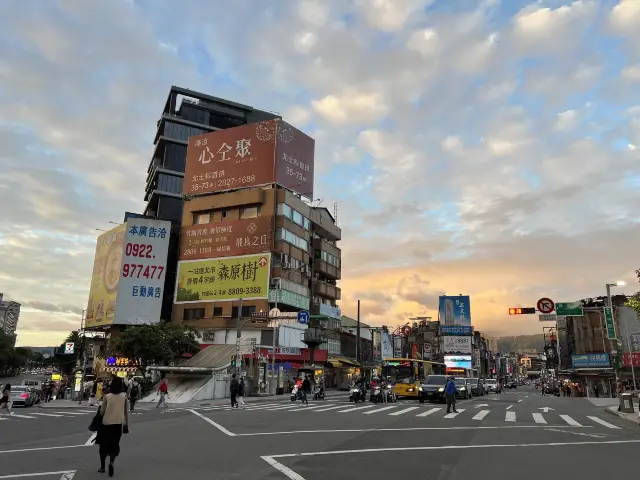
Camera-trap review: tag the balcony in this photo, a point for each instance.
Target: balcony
(326, 290)
(322, 244)
(324, 268)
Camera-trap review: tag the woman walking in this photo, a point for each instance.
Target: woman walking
(115, 422)
(5, 398)
(241, 391)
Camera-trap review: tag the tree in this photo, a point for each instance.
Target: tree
(157, 344)
(634, 302)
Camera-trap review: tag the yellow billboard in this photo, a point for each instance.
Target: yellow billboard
(104, 280)
(220, 279)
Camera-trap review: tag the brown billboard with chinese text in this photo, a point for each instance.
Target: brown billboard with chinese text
(249, 155)
(226, 238)
(294, 159)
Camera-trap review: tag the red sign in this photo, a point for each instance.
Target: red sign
(546, 305)
(626, 361)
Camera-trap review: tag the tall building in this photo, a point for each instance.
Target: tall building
(186, 113)
(9, 316)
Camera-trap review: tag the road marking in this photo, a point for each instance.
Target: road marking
(519, 401)
(65, 474)
(87, 411)
(71, 413)
(40, 449)
(510, 417)
(428, 412)
(509, 407)
(570, 420)
(602, 422)
(330, 408)
(46, 414)
(592, 435)
(312, 407)
(410, 429)
(402, 412)
(538, 418)
(379, 410)
(454, 414)
(355, 408)
(286, 471)
(91, 439)
(217, 425)
(481, 414)
(258, 407)
(279, 408)
(15, 415)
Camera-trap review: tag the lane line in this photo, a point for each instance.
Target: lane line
(286, 471)
(355, 409)
(217, 425)
(72, 413)
(509, 407)
(402, 412)
(46, 414)
(38, 449)
(602, 422)
(519, 401)
(307, 408)
(15, 415)
(89, 442)
(454, 414)
(510, 417)
(64, 474)
(329, 408)
(481, 414)
(428, 412)
(87, 411)
(570, 420)
(538, 418)
(379, 410)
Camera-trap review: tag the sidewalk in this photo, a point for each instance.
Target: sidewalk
(611, 406)
(64, 404)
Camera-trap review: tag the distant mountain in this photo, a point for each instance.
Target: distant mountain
(511, 344)
(45, 351)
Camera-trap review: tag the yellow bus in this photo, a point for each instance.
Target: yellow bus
(408, 374)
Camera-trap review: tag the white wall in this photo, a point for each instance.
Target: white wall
(291, 335)
(228, 337)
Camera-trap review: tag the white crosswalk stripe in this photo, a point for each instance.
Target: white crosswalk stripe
(538, 418)
(402, 412)
(330, 408)
(481, 414)
(570, 420)
(71, 413)
(47, 414)
(510, 416)
(370, 412)
(603, 423)
(309, 407)
(356, 408)
(428, 412)
(454, 414)
(15, 415)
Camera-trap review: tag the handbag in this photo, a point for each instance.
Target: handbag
(96, 422)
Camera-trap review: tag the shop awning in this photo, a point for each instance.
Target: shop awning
(342, 362)
(335, 363)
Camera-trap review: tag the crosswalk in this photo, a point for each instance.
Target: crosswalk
(30, 414)
(431, 413)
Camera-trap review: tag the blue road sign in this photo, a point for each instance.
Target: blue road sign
(303, 317)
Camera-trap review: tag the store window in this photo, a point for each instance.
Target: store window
(246, 311)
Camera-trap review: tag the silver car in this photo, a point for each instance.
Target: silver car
(492, 385)
(22, 396)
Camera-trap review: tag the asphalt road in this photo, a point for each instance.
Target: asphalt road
(518, 434)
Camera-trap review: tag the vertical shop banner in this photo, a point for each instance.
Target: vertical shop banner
(455, 310)
(144, 263)
(387, 345)
(397, 346)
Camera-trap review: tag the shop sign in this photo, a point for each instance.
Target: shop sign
(591, 360)
(287, 297)
(288, 351)
(330, 311)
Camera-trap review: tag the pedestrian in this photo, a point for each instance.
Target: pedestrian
(134, 393)
(241, 392)
(234, 387)
(450, 395)
(5, 399)
(99, 392)
(115, 422)
(163, 391)
(306, 390)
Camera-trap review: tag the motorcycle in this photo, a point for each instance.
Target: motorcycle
(357, 395)
(294, 393)
(318, 393)
(376, 394)
(391, 394)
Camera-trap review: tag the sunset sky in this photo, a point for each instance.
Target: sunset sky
(489, 148)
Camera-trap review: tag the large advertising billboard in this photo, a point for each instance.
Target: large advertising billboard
(128, 274)
(457, 361)
(386, 343)
(457, 345)
(103, 292)
(249, 155)
(226, 238)
(455, 310)
(223, 279)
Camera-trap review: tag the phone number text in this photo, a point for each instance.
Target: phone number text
(134, 270)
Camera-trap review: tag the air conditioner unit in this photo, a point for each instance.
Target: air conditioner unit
(286, 265)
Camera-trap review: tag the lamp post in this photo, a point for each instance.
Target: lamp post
(84, 357)
(614, 341)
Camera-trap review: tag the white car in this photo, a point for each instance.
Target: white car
(491, 385)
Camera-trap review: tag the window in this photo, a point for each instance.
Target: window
(246, 311)
(193, 313)
(224, 213)
(217, 311)
(292, 238)
(181, 132)
(294, 287)
(249, 212)
(169, 183)
(297, 217)
(201, 218)
(293, 215)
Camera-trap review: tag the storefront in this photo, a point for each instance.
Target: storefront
(341, 372)
(118, 366)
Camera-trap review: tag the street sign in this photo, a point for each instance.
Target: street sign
(522, 311)
(303, 317)
(69, 348)
(545, 305)
(608, 318)
(569, 309)
(549, 317)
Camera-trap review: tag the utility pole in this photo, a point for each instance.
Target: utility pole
(238, 335)
(273, 352)
(84, 357)
(358, 353)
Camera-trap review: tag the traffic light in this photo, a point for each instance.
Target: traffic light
(233, 360)
(522, 311)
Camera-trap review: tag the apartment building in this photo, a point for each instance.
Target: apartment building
(9, 316)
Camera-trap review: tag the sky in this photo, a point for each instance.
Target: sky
(488, 148)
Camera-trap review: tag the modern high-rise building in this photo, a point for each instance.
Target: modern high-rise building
(186, 113)
(9, 316)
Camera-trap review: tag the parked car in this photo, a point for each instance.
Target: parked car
(22, 396)
(463, 389)
(35, 385)
(492, 385)
(432, 389)
(477, 387)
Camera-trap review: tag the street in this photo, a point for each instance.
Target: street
(516, 434)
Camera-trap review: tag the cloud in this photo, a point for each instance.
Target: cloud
(480, 148)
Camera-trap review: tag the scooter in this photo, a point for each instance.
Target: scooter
(357, 395)
(391, 394)
(376, 394)
(318, 393)
(294, 393)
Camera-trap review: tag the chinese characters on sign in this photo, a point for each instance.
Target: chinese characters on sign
(591, 360)
(227, 238)
(455, 330)
(228, 278)
(608, 317)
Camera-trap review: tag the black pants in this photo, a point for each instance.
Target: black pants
(132, 403)
(451, 402)
(233, 399)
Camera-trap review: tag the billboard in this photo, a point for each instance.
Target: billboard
(386, 345)
(101, 306)
(457, 345)
(141, 285)
(249, 155)
(455, 330)
(455, 310)
(226, 238)
(128, 274)
(591, 360)
(223, 279)
(457, 361)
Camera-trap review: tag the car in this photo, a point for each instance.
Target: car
(492, 385)
(510, 384)
(23, 396)
(463, 389)
(477, 387)
(35, 385)
(432, 389)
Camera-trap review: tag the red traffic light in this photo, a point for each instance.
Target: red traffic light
(522, 311)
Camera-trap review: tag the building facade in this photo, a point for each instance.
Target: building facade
(9, 316)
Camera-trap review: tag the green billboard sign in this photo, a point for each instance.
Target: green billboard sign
(569, 309)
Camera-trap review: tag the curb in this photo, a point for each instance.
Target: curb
(621, 415)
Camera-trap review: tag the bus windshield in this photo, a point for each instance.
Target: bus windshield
(399, 374)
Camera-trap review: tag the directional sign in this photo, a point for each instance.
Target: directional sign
(545, 409)
(303, 317)
(545, 305)
(569, 309)
(550, 317)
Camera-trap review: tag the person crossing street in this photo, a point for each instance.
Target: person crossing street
(450, 395)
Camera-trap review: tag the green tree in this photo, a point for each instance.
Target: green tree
(634, 302)
(157, 344)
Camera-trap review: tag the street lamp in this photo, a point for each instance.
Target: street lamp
(614, 341)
